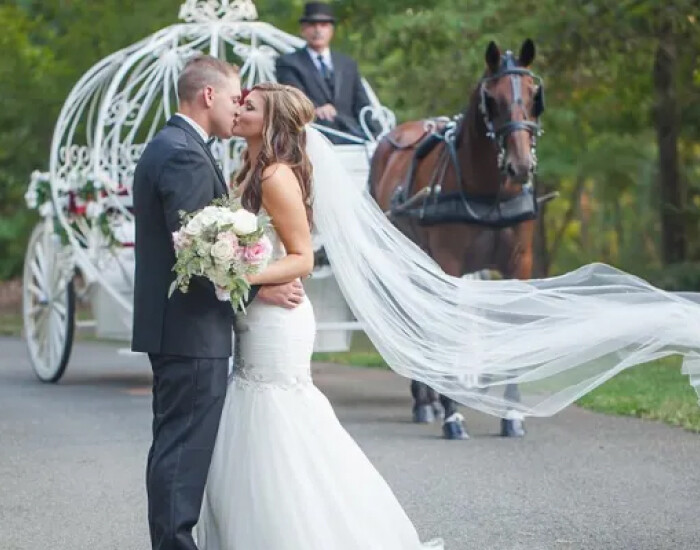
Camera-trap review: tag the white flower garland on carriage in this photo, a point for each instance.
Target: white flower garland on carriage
(82, 249)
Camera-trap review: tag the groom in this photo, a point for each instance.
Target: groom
(187, 337)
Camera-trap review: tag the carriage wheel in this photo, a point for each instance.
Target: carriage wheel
(48, 305)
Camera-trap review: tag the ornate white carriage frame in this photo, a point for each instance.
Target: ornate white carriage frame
(86, 234)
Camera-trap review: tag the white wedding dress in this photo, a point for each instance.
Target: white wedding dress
(285, 475)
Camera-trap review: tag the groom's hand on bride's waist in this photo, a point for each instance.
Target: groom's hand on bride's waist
(288, 295)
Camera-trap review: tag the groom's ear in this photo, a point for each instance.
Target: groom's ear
(208, 94)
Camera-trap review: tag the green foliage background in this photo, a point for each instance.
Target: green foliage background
(423, 58)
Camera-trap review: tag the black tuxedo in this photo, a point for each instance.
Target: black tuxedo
(188, 337)
(176, 172)
(344, 91)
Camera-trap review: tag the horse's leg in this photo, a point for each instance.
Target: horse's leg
(436, 404)
(422, 402)
(448, 252)
(518, 256)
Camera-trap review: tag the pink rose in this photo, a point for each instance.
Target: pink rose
(180, 240)
(239, 253)
(229, 237)
(259, 252)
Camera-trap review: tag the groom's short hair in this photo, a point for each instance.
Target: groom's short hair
(200, 71)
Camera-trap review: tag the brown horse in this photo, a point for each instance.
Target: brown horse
(462, 189)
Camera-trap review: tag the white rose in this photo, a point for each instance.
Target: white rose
(46, 209)
(31, 197)
(194, 227)
(203, 249)
(244, 222)
(207, 217)
(93, 210)
(225, 218)
(222, 252)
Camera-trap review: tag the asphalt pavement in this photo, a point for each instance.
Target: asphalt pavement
(72, 465)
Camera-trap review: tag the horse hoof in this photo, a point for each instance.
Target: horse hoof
(453, 428)
(423, 414)
(512, 427)
(438, 411)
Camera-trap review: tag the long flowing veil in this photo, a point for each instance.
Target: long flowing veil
(556, 338)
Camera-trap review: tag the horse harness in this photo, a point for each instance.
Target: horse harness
(433, 206)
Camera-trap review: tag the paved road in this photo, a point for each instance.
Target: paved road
(72, 456)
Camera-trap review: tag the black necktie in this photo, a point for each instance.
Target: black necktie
(325, 72)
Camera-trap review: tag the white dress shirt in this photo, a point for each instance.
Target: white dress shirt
(197, 127)
(325, 54)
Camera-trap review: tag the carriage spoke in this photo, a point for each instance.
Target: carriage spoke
(50, 347)
(60, 309)
(56, 336)
(35, 311)
(38, 294)
(39, 318)
(40, 338)
(51, 337)
(42, 268)
(39, 278)
(59, 291)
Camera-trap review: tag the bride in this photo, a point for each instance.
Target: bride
(285, 475)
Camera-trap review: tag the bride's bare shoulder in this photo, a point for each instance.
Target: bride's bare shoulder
(279, 175)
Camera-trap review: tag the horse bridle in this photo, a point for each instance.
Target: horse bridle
(500, 133)
(453, 128)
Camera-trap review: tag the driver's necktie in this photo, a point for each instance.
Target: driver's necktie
(325, 72)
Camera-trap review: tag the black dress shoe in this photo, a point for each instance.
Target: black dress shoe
(512, 427)
(423, 414)
(453, 427)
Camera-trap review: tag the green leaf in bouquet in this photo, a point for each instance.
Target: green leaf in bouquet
(172, 288)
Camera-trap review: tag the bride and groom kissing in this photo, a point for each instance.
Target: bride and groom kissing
(256, 460)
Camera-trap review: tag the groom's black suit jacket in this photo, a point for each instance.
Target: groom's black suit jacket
(176, 172)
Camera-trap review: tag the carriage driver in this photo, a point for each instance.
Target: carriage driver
(330, 80)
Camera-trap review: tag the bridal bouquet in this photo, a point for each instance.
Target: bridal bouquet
(223, 242)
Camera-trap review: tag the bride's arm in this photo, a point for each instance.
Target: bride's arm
(283, 201)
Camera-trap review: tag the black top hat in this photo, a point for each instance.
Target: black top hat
(317, 12)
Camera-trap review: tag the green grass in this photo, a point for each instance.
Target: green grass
(355, 358)
(656, 391)
(362, 354)
(10, 324)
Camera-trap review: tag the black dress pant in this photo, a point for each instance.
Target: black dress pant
(188, 397)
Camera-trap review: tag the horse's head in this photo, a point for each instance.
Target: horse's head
(511, 102)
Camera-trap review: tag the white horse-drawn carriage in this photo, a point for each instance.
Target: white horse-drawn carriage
(82, 249)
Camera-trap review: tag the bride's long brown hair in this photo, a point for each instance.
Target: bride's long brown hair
(287, 111)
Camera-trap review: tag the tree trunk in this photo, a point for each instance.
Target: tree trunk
(673, 238)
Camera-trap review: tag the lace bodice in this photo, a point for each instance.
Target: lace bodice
(275, 343)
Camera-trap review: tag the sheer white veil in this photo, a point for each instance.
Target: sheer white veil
(556, 338)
